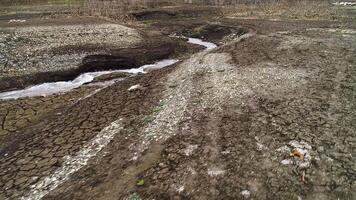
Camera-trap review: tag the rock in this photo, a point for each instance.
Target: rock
(135, 87)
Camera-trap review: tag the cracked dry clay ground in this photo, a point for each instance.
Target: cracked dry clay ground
(220, 125)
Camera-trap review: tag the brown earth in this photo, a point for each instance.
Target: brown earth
(267, 115)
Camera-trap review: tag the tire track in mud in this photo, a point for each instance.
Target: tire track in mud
(72, 164)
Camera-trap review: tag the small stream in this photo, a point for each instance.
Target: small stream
(51, 88)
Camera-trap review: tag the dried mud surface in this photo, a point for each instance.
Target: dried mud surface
(267, 115)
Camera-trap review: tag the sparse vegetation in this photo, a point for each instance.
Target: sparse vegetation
(140, 182)
(284, 9)
(121, 9)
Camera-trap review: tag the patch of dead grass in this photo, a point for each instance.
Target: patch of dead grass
(303, 10)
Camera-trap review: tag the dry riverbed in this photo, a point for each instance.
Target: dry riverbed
(269, 114)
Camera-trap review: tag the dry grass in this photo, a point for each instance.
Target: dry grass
(119, 9)
(305, 10)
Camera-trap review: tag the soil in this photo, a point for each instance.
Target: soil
(269, 114)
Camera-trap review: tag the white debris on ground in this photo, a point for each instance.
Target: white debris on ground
(180, 189)
(345, 3)
(135, 87)
(190, 149)
(17, 21)
(246, 193)
(302, 149)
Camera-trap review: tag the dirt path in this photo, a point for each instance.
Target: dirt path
(219, 125)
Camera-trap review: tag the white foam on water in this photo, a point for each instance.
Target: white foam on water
(45, 89)
(207, 45)
(158, 65)
(65, 86)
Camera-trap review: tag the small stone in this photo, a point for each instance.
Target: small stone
(135, 87)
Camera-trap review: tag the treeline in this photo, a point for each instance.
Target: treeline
(151, 3)
(238, 2)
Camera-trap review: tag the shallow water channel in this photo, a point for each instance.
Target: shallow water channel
(50, 88)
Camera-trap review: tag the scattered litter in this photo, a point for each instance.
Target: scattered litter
(300, 155)
(296, 153)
